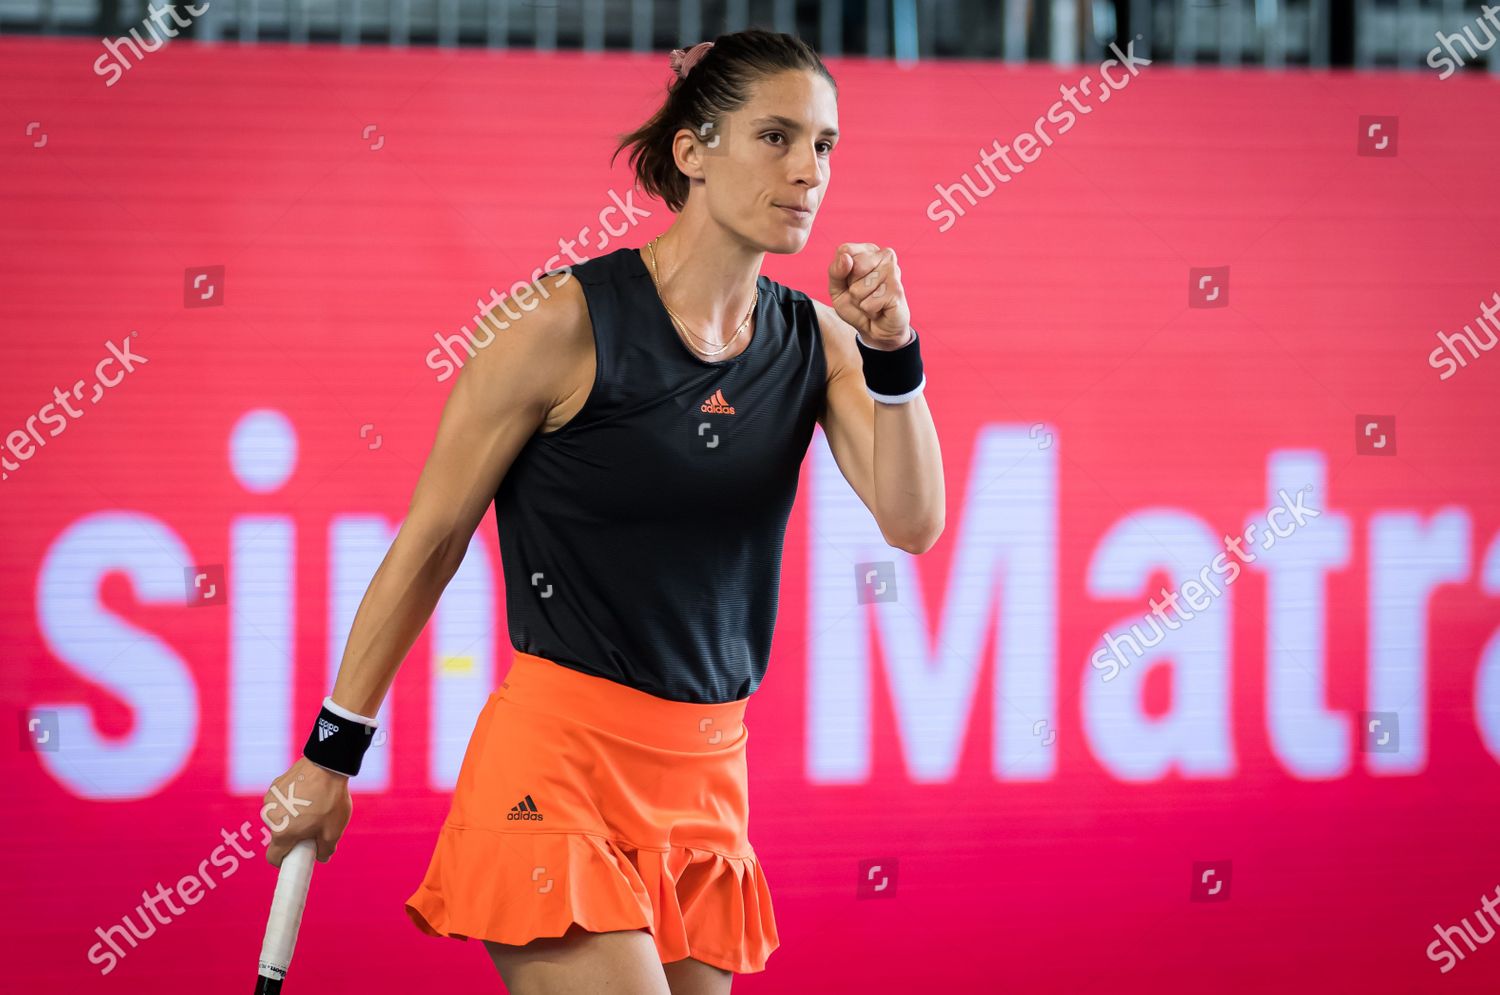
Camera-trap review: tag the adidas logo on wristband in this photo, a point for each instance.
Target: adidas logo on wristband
(337, 744)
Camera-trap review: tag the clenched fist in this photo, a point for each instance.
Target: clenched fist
(864, 286)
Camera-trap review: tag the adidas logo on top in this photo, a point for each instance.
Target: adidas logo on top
(326, 729)
(524, 810)
(717, 404)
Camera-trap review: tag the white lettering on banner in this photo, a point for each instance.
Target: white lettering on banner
(1194, 736)
(356, 545)
(1409, 558)
(1005, 562)
(463, 662)
(462, 670)
(131, 664)
(1310, 741)
(264, 735)
(1003, 576)
(262, 638)
(1487, 681)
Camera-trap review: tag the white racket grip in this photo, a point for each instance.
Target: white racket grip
(286, 909)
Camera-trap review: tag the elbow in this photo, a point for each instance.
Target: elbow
(921, 541)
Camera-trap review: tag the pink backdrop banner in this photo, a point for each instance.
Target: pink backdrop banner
(1177, 305)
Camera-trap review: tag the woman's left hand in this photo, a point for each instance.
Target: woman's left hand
(864, 283)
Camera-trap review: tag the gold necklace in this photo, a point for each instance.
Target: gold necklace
(651, 247)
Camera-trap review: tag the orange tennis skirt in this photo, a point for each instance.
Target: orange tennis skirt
(583, 800)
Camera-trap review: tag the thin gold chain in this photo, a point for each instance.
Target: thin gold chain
(651, 247)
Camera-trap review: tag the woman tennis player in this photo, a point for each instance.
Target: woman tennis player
(640, 429)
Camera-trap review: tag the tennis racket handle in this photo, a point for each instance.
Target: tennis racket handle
(286, 916)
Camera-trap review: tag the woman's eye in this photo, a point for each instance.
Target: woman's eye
(826, 147)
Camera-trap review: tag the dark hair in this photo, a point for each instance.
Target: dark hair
(718, 84)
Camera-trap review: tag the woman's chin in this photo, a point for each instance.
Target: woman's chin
(788, 242)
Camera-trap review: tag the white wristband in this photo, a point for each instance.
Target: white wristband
(330, 770)
(343, 712)
(898, 398)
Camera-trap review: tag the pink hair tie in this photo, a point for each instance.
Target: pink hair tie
(683, 60)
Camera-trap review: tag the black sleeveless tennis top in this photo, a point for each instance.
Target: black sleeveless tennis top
(641, 541)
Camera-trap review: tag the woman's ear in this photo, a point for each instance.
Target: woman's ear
(687, 154)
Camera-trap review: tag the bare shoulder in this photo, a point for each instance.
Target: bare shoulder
(519, 365)
(575, 344)
(545, 346)
(549, 311)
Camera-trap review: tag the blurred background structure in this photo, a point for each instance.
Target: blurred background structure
(1266, 33)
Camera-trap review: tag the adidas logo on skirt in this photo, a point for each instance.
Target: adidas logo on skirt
(526, 809)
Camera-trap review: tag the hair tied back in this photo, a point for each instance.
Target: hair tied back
(683, 60)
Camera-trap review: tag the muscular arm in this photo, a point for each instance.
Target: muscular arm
(501, 397)
(889, 453)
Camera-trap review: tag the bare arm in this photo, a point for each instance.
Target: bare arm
(502, 396)
(889, 453)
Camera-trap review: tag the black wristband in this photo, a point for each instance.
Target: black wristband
(893, 376)
(338, 743)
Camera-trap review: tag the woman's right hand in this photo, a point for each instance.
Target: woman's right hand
(306, 802)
